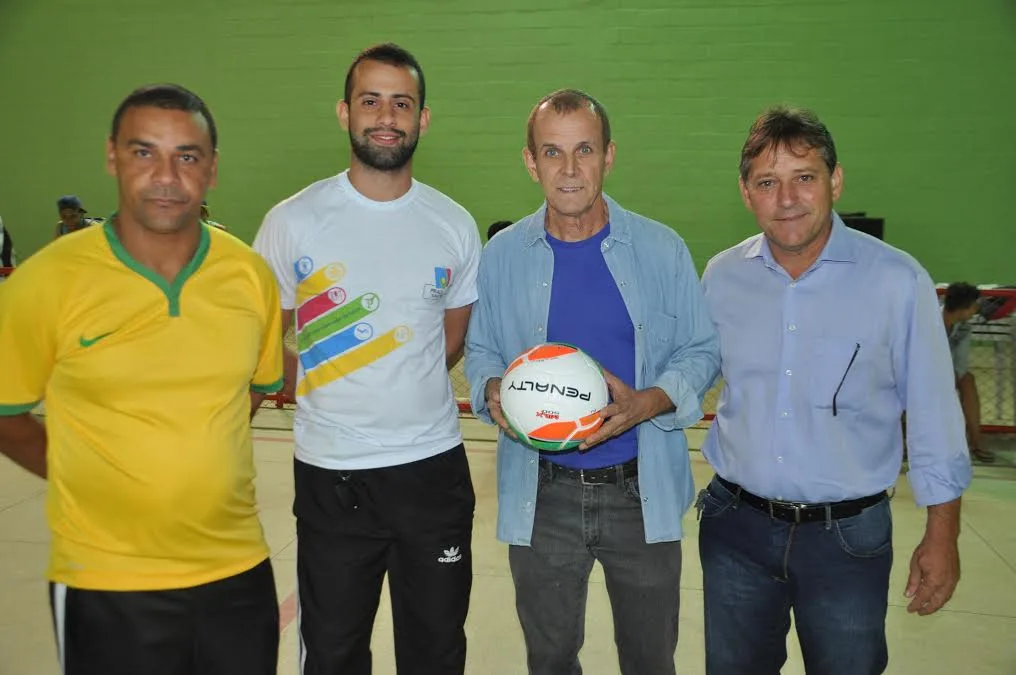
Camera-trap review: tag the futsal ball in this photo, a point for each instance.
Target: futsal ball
(551, 396)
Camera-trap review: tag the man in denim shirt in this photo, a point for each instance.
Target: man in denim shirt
(583, 270)
(827, 336)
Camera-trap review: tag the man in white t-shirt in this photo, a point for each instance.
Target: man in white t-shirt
(379, 273)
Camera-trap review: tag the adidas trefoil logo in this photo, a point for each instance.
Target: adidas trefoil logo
(451, 555)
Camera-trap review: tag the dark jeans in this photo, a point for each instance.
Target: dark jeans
(833, 574)
(575, 525)
(226, 627)
(413, 522)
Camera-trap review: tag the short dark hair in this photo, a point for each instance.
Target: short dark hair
(167, 97)
(565, 101)
(960, 295)
(496, 227)
(787, 128)
(393, 55)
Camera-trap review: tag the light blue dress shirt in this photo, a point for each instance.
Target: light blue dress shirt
(786, 350)
(676, 349)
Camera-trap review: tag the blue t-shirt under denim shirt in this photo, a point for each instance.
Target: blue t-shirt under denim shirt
(587, 311)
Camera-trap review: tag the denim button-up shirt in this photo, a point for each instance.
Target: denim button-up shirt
(676, 349)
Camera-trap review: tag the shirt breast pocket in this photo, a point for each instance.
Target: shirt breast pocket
(850, 372)
(662, 335)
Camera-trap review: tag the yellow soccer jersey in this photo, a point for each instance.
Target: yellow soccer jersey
(146, 384)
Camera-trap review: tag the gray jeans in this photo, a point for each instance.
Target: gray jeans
(575, 525)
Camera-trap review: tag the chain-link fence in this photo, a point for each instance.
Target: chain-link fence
(461, 386)
(993, 359)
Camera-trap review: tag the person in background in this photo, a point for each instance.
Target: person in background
(961, 303)
(496, 227)
(206, 217)
(7, 257)
(72, 216)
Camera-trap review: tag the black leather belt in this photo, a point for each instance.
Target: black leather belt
(793, 512)
(602, 476)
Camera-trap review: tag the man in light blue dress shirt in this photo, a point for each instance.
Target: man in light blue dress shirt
(586, 271)
(826, 336)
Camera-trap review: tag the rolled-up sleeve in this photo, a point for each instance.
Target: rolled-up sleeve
(936, 439)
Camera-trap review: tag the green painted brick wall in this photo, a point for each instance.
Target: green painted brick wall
(920, 96)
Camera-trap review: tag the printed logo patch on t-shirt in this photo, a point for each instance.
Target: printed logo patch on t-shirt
(442, 281)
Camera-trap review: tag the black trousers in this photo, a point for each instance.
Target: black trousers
(227, 627)
(414, 522)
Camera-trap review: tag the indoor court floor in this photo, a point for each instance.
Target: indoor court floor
(975, 634)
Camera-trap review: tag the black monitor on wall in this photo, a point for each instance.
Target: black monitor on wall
(860, 221)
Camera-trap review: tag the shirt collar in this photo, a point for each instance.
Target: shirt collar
(617, 216)
(839, 248)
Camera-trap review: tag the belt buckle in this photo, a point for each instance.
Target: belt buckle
(796, 507)
(583, 481)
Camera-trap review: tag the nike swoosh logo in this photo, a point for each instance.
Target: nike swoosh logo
(88, 342)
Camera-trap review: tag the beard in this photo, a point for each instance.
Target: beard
(382, 158)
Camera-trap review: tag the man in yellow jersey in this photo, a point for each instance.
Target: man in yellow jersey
(153, 339)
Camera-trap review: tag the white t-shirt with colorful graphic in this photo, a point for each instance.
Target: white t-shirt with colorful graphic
(370, 282)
